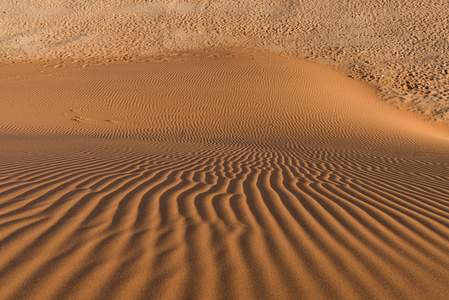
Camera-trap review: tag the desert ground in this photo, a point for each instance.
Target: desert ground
(224, 150)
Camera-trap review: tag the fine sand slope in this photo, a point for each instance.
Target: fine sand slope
(216, 174)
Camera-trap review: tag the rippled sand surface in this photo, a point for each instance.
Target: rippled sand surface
(218, 174)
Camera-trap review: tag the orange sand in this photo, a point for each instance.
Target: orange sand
(216, 174)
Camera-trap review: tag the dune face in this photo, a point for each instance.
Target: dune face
(216, 174)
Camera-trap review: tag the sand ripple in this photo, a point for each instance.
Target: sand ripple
(186, 193)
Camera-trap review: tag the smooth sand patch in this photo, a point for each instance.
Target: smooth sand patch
(216, 174)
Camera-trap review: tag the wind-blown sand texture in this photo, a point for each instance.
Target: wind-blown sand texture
(216, 175)
(400, 47)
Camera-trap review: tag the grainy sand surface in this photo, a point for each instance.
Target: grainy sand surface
(400, 47)
(218, 174)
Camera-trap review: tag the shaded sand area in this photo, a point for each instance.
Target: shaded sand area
(220, 174)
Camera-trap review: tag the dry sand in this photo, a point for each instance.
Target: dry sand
(218, 174)
(400, 47)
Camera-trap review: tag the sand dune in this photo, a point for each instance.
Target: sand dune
(216, 174)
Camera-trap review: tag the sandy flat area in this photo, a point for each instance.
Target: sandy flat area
(216, 174)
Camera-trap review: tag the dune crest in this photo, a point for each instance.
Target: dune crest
(224, 173)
